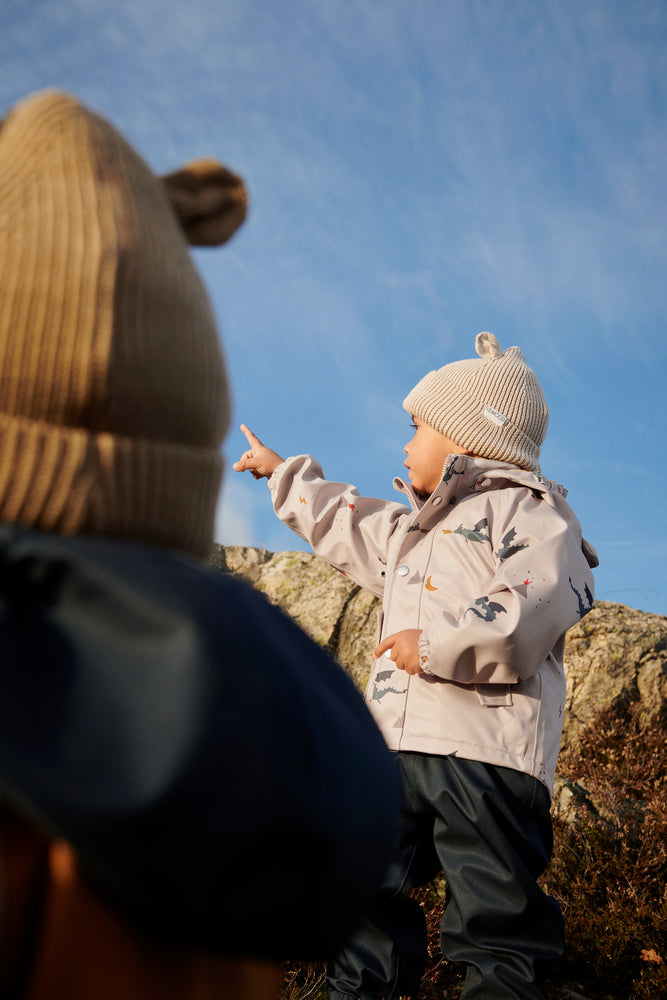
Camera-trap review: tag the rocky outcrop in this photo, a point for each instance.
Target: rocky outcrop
(613, 656)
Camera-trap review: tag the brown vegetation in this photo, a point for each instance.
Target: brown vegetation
(609, 870)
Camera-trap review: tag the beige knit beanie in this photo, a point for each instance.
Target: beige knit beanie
(493, 406)
(113, 394)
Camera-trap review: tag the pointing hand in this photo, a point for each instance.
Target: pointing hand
(259, 460)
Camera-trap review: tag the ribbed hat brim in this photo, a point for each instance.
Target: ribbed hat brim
(70, 481)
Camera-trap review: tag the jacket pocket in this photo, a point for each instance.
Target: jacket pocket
(492, 695)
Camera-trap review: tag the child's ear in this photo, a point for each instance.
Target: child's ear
(210, 201)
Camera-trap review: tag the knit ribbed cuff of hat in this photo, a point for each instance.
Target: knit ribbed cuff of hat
(70, 481)
(444, 405)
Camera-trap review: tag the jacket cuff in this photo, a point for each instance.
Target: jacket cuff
(273, 482)
(424, 648)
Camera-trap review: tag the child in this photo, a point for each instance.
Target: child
(481, 576)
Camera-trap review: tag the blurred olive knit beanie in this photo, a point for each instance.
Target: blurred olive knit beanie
(493, 405)
(113, 394)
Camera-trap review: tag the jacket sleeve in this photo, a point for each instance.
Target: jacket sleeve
(540, 585)
(350, 531)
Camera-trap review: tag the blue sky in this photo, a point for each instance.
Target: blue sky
(419, 170)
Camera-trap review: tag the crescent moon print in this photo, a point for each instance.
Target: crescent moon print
(429, 585)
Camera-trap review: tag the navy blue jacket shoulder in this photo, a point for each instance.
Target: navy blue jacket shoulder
(216, 772)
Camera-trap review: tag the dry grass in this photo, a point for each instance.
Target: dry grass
(609, 870)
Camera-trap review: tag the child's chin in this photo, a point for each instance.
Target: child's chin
(418, 489)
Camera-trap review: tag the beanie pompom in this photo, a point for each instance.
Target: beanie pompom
(487, 346)
(210, 201)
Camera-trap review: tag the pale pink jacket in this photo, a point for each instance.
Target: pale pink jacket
(493, 569)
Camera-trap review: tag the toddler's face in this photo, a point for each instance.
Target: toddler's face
(427, 453)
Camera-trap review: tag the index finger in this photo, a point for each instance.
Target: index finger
(386, 644)
(252, 439)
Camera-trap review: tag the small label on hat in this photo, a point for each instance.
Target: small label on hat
(495, 416)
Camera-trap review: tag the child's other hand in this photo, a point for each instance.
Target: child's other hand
(259, 460)
(403, 649)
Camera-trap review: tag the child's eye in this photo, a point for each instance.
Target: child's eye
(413, 425)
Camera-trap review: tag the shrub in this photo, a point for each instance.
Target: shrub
(609, 870)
